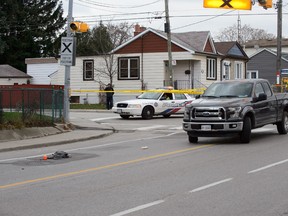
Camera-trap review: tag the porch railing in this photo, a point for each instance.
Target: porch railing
(184, 84)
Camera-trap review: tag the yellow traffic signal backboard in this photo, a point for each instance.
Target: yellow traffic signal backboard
(79, 26)
(228, 4)
(266, 3)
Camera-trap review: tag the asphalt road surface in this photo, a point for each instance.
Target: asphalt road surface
(148, 170)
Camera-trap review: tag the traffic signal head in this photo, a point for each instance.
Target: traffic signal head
(79, 27)
(265, 3)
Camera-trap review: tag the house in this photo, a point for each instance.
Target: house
(142, 63)
(12, 76)
(197, 62)
(232, 60)
(262, 64)
(41, 69)
(254, 46)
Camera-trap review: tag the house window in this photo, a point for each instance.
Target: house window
(88, 70)
(211, 68)
(238, 70)
(128, 68)
(252, 74)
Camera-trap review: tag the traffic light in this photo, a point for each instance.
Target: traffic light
(265, 3)
(79, 27)
(228, 4)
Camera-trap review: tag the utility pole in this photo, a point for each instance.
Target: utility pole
(168, 31)
(66, 107)
(279, 42)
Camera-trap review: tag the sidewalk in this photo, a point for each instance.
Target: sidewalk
(78, 130)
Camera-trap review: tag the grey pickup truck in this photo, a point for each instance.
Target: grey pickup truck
(235, 107)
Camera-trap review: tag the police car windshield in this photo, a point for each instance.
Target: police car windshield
(150, 95)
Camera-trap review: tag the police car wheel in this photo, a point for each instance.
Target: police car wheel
(125, 116)
(147, 113)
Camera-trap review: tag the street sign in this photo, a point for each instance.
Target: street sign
(67, 51)
(284, 71)
(228, 4)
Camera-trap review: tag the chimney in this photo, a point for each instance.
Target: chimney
(138, 29)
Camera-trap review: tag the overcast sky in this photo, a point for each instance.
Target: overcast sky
(185, 15)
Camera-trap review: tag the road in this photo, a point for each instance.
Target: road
(149, 170)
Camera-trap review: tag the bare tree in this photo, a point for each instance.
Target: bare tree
(118, 35)
(246, 33)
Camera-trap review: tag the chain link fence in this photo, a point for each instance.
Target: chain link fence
(31, 105)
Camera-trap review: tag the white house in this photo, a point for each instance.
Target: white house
(11, 76)
(142, 63)
(41, 69)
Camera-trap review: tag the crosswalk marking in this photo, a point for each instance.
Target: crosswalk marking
(150, 127)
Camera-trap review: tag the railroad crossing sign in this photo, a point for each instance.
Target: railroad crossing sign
(68, 51)
(228, 4)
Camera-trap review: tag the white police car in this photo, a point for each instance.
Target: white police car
(153, 103)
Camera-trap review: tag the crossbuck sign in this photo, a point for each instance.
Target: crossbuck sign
(67, 51)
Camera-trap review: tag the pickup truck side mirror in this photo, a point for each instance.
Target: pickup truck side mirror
(261, 97)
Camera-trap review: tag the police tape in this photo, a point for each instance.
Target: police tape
(188, 91)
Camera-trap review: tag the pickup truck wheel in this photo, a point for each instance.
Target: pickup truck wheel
(192, 139)
(125, 116)
(245, 135)
(282, 126)
(147, 113)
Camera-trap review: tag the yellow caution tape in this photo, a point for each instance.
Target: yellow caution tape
(188, 91)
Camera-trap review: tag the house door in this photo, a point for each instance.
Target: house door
(226, 70)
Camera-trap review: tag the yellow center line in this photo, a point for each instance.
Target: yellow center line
(101, 167)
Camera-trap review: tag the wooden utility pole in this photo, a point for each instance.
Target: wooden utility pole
(168, 31)
(279, 42)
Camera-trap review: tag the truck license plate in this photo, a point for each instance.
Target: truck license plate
(119, 110)
(206, 127)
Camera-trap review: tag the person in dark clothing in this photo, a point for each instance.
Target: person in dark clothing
(109, 96)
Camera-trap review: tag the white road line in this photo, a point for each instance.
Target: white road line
(176, 128)
(138, 208)
(150, 127)
(268, 166)
(105, 118)
(259, 130)
(210, 185)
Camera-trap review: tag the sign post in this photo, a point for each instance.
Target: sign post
(66, 49)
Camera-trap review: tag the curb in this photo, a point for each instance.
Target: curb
(54, 143)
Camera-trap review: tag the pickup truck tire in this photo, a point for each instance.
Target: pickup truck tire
(245, 135)
(192, 139)
(147, 112)
(282, 126)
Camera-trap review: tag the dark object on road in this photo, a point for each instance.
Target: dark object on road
(59, 155)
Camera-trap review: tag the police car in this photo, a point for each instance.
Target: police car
(152, 103)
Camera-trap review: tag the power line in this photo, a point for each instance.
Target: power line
(117, 6)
